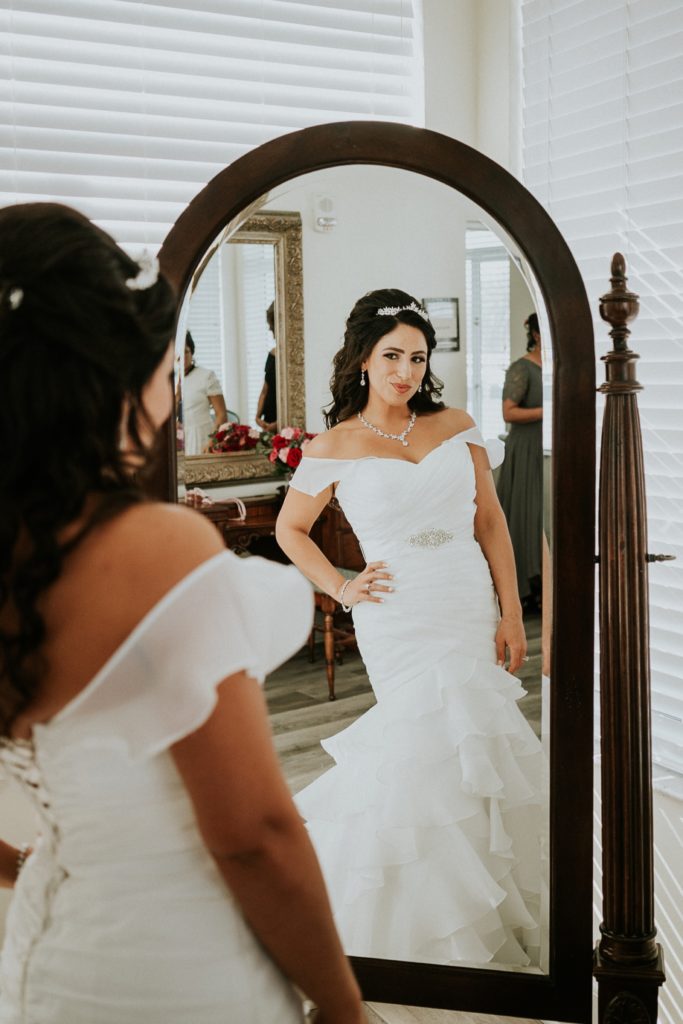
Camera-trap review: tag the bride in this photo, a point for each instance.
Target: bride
(427, 827)
(172, 880)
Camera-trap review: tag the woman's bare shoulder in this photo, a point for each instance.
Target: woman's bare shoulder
(453, 421)
(110, 581)
(335, 443)
(152, 546)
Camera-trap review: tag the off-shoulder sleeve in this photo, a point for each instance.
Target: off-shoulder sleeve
(231, 614)
(314, 475)
(516, 381)
(213, 385)
(495, 449)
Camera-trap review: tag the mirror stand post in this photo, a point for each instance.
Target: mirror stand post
(628, 963)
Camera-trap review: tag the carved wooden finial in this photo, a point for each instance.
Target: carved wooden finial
(619, 306)
(618, 267)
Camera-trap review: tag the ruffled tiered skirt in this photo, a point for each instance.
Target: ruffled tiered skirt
(429, 827)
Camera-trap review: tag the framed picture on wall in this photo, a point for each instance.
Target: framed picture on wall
(445, 317)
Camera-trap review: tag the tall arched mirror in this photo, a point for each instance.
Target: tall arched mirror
(409, 209)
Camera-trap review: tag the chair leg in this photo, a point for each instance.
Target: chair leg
(328, 638)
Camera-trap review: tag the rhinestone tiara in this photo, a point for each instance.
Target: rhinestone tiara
(393, 310)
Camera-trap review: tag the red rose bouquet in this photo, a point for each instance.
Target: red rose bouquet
(233, 437)
(285, 449)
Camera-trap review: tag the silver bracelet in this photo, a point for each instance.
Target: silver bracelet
(24, 851)
(340, 598)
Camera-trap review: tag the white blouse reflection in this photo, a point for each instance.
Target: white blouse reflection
(428, 826)
(204, 407)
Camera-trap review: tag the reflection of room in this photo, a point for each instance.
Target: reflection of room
(227, 318)
(416, 216)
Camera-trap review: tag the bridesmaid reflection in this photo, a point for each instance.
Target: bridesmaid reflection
(428, 825)
(520, 484)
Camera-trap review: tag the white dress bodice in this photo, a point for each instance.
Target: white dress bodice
(392, 503)
(120, 913)
(419, 519)
(428, 827)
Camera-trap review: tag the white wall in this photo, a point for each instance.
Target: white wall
(521, 304)
(394, 230)
(450, 45)
(493, 76)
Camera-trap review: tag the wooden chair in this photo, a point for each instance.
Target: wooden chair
(337, 630)
(335, 537)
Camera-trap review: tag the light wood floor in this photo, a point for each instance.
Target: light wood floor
(381, 1013)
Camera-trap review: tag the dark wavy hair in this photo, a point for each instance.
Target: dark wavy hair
(364, 328)
(75, 341)
(531, 324)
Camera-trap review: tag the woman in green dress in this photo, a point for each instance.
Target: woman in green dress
(520, 483)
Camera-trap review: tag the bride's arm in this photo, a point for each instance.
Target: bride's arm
(254, 832)
(297, 516)
(491, 531)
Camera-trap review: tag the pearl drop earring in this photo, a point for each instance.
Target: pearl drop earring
(362, 378)
(420, 387)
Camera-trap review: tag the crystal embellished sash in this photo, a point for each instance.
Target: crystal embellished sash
(431, 538)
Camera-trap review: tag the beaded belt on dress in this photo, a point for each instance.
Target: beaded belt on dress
(433, 538)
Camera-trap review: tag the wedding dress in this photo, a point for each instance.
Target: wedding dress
(120, 913)
(428, 828)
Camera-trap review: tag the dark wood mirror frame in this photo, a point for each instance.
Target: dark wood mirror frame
(564, 994)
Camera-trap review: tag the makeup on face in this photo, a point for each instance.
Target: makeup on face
(398, 361)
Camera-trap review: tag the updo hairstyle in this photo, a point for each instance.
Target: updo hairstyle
(75, 341)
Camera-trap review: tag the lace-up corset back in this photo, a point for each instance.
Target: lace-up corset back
(18, 760)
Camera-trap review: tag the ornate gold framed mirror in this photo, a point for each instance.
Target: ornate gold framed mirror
(252, 270)
(563, 990)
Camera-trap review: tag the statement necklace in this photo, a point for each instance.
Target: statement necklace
(392, 437)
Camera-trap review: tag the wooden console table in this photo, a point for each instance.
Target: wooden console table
(253, 535)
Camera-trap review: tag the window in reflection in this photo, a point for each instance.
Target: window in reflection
(231, 325)
(487, 269)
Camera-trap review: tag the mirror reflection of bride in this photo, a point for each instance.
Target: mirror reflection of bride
(436, 789)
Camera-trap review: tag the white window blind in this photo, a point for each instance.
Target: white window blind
(487, 284)
(603, 151)
(205, 319)
(126, 108)
(257, 282)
